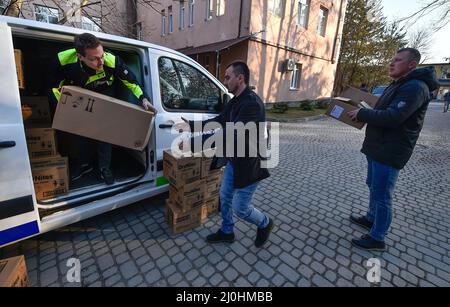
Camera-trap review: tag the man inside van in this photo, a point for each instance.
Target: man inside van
(90, 67)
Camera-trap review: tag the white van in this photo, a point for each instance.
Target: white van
(177, 85)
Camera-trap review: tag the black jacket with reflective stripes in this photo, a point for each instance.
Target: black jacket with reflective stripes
(69, 70)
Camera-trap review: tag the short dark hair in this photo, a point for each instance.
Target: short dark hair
(414, 54)
(85, 41)
(240, 67)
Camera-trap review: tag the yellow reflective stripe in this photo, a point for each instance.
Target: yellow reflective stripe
(134, 88)
(68, 57)
(57, 93)
(96, 77)
(110, 81)
(110, 60)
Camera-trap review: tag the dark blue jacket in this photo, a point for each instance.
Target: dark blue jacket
(245, 108)
(394, 125)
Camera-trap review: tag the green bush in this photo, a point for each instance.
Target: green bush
(323, 103)
(306, 105)
(280, 107)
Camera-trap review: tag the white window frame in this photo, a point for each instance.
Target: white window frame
(209, 10)
(170, 19)
(52, 12)
(191, 12)
(323, 21)
(220, 8)
(276, 7)
(89, 23)
(163, 23)
(295, 78)
(182, 13)
(303, 13)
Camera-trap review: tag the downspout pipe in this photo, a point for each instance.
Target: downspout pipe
(333, 55)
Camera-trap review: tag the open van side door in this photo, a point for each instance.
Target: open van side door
(182, 89)
(19, 217)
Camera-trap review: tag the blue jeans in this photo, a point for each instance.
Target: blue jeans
(239, 201)
(381, 180)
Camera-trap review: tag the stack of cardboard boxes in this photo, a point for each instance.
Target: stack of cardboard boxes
(49, 169)
(18, 57)
(193, 192)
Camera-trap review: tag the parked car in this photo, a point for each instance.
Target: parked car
(379, 90)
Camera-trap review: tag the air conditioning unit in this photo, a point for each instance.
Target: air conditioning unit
(289, 65)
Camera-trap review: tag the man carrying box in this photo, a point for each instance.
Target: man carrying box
(242, 174)
(90, 67)
(393, 128)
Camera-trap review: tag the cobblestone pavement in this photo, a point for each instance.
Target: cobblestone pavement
(320, 181)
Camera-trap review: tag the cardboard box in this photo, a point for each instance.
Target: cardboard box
(181, 171)
(212, 185)
(13, 272)
(36, 110)
(50, 177)
(180, 221)
(351, 99)
(210, 207)
(189, 196)
(41, 142)
(103, 118)
(18, 57)
(206, 163)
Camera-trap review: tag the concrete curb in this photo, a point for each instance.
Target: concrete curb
(298, 120)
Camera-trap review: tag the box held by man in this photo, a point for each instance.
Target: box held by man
(350, 100)
(103, 118)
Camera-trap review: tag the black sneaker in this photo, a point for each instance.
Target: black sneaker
(361, 221)
(368, 243)
(107, 175)
(79, 171)
(262, 235)
(220, 237)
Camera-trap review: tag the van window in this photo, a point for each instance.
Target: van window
(183, 87)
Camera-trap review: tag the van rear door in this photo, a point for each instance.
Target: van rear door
(19, 216)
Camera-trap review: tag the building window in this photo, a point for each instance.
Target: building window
(91, 24)
(209, 9)
(220, 8)
(163, 22)
(303, 13)
(276, 7)
(191, 12)
(46, 14)
(170, 20)
(323, 19)
(3, 5)
(182, 9)
(296, 74)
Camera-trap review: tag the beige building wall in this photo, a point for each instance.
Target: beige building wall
(201, 32)
(273, 83)
(280, 38)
